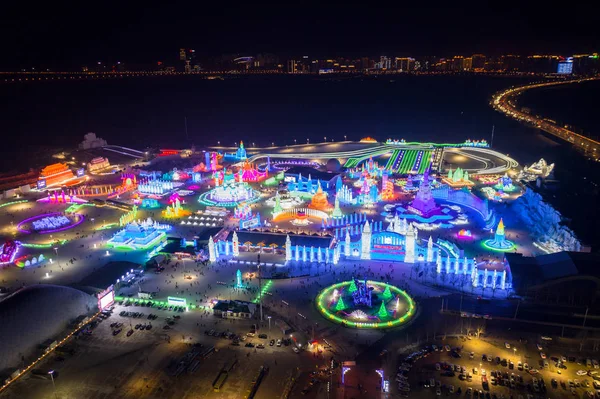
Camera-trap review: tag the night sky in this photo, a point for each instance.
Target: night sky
(55, 35)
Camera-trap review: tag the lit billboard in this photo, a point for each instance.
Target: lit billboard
(106, 298)
(174, 301)
(250, 223)
(565, 67)
(41, 184)
(80, 172)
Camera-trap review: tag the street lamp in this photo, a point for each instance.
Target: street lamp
(269, 317)
(51, 372)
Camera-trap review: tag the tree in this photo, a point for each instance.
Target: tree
(352, 287)
(340, 304)
(387, 294)
(273, 246)
(247, 244)
(382, 311)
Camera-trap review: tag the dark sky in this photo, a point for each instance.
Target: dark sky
(55, 35)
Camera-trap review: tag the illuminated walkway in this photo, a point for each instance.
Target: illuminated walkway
(505, 103)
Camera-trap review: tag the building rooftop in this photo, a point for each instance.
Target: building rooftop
(235, 307)
(531, 271)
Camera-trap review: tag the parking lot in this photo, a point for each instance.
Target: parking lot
(115, 359)
(479, 368)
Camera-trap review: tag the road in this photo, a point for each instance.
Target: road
(505, 102)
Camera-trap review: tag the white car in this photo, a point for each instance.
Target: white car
(507, 345)
(581, 372)
(295, 350)
(542, 355)
(539, 347)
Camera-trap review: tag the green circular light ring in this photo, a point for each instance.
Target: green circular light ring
(490, 248)
(322, 306)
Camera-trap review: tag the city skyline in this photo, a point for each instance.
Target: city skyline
(187, 60)
(64, 37)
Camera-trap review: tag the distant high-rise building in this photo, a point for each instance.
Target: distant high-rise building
(468, 64)
(291, 66)
(182, 55)
(541, 63)
(511, 63)
(188, 66)
(565, 66)
(586, 63)
(365, 63)
(478, 61)
(458, 63)
(405, 64)
(384, 63)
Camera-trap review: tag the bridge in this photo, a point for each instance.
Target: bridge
(505, 103)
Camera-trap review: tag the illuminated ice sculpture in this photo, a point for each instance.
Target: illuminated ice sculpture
(424, 204)
(230, 194)
(141, 236)
(499, 242)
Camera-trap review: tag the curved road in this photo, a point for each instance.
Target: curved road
(505, 102)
